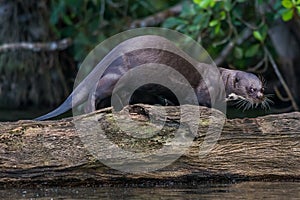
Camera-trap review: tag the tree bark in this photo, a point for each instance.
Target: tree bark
(55, 153)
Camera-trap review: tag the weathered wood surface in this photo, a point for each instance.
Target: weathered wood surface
(52, 152)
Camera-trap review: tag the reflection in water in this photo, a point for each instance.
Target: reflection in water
(245, 190)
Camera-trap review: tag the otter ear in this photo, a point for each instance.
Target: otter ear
(236, 80)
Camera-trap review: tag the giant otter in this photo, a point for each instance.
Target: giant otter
(222, 84)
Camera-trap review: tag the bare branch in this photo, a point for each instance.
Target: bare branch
(157, 18)
(225, 52)
(257, 68)
(279, 95)
(281, 79)
(229, 47)
(37, 46)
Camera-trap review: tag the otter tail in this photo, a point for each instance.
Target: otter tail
(65, 106)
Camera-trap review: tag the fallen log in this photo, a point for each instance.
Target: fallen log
(55, 153)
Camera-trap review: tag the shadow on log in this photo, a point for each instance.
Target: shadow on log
(56, 153)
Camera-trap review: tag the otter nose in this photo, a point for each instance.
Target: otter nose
(260, 95)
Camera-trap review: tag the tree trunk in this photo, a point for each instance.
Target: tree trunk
(30, 73)
(56, 153)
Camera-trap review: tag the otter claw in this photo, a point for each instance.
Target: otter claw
(233, 97)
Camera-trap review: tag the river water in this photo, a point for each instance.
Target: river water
(244, 190)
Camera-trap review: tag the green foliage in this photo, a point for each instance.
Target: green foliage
(214, 23)
(261, 33)
(217, 23)
(252, 50)
(238, 52)
(290, 8)
(89, 22)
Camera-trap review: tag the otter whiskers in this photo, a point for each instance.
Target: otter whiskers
(265, 104)
(246, 104)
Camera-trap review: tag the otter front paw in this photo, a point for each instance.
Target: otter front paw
(233, 97)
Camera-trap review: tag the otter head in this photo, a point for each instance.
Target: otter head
(249, 86)
(248, 90)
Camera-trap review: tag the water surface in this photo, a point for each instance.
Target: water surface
(245, 190)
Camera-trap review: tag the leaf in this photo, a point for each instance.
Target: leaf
(287, 4)
(181, 27)
(204, 3)
(264, 31)
(217, 28)
(258, 36)
(212, 3)
(56, 13)
(205, 21)
(250, 52)
(193, 28)
(277, 5)
(238, 52)
(54, 17)
(82, 39)
(287, 15)
(227, 5)
(187, 10)
(222, 15)
(213, 22)
(67, 20)
(198, 19)
(172, 22)
(237, 13)
(241, 1)
(298, 9)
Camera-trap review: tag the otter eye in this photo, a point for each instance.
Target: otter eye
(236, 79)
(252, 90)
(262, 90)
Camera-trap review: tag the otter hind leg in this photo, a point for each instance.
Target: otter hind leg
(100, 95)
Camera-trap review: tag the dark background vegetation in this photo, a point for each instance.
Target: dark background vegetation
(257, 36)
